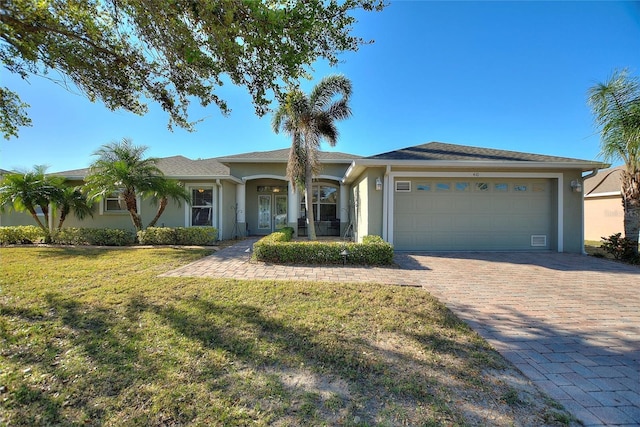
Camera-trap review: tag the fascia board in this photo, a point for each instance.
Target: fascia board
(251, 161)
(606, 194)
(471, 164)
(73, 177)
(204, 177)
(352, 173)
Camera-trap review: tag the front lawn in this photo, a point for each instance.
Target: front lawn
(93, 337)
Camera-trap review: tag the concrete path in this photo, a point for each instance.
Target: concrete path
(570, 323)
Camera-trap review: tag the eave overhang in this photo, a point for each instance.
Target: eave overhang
(358, 166)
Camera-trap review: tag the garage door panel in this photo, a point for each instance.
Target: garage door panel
(487, 215)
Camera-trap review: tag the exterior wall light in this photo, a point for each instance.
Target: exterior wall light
(378, 184)
(576, 187)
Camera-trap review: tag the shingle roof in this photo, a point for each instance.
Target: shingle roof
(605, 181)
(184, 167)
(73, 173)
(451, 152)
(175, 166)
(282, 155)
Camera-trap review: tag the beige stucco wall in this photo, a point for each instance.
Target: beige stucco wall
(603, 216)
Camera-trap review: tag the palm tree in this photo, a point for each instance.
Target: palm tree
(616, 106)
(121, 168)
(309, 120)
(72, 199)
(164, 190)
(26, 191)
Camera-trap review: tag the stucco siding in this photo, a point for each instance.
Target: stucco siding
(603, 216)
(228, 213)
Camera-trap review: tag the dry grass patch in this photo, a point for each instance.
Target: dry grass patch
(94, 337)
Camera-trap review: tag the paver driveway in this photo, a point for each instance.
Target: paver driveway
(571, 323)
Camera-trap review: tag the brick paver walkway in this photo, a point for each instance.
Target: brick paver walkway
(570, 323)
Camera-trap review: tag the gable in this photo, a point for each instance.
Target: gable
(606, 181)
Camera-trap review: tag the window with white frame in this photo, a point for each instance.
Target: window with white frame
(114, 202)
(202, 206)
(325, 203)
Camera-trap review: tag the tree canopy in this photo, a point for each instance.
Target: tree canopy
(308, 120)
(616, 108)
(122, 169)
(128, 52)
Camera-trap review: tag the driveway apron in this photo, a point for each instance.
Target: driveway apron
(570, 323)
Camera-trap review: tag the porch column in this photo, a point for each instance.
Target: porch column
(343, 208)
(240, 213)
(293, 207)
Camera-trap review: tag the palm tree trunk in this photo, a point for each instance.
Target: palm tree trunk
(161, 207)
(37, 220)
(308, 189)
(132, 207)
(63, 216)
(631, 207)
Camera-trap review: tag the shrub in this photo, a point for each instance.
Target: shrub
(196, 235)
(372, 239)
(178, 236)
(21, 234)
(278, 248)
(620, 247)
(94, 236)
(157, 236)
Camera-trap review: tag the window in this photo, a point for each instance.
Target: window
(325, 203)
(519, 188)
(462, 186)
(443, 186)
(423, 187)
(501, 187)
(538, 188)
(114, 202)
(482, 186)
(403, 186)
(201, 206)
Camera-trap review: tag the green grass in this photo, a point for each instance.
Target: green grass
(93, 337)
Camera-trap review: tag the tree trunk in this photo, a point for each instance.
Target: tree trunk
(161, 207)
(35, 217)
(308, 190)
(132, 207)
(631, 205)
(63, 216)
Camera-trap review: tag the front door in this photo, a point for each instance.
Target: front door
(272, 213)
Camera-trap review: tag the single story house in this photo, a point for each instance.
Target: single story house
(603, 211)
(434, 196)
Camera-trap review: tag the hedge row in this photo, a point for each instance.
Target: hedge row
(110, 236)
(94, 236)
(277, 248)
(178, 236)
(24, 234)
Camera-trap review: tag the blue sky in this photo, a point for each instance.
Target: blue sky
(508, 75)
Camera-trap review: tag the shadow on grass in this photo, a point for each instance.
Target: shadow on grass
(195, 360)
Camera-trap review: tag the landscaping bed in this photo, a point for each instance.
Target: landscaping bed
(279, 248)
(30, 234)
